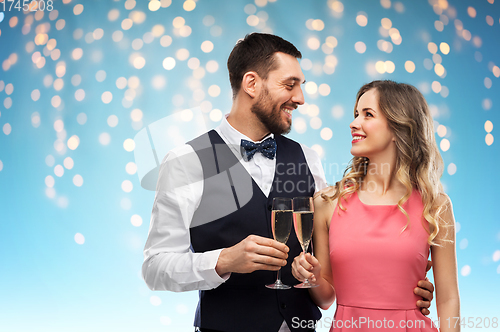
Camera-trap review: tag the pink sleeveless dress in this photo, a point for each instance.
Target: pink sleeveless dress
(376, 266)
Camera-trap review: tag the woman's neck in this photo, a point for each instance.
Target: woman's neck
(381, 176)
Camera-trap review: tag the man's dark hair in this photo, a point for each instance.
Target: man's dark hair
(256, 53)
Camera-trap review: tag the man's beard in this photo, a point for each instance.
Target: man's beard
(270, 115)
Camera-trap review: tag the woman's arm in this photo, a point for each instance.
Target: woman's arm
(445, 272)
(317, 268)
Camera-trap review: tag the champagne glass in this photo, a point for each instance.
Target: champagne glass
(281, 223)
(303, 211)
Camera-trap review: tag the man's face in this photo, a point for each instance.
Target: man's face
(280, 95)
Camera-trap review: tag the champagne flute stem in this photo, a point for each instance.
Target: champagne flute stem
(306, 281)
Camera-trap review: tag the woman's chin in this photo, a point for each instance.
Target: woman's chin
(356, 153)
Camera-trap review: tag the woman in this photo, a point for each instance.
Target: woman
(373, 230)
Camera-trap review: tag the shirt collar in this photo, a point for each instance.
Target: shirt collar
(234, 137)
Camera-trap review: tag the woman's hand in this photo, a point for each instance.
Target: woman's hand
(306, 267)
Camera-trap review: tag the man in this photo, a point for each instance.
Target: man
(210, 227)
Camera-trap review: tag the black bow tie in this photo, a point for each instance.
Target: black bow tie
(266, 147)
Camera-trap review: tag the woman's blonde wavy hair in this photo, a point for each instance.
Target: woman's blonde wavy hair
(418, 162)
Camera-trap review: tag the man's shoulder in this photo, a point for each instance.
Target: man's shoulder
(284, 138)
(309, 153)
(287, 142)
(177, 152)
(188, 147)
(204, 140)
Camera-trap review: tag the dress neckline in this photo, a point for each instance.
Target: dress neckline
(381, 205)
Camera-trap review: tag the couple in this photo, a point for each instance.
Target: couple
(205, 237)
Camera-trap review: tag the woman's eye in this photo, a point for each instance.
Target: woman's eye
(369, 114)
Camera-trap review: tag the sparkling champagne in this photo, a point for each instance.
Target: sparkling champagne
(282, 224)
(303, 222)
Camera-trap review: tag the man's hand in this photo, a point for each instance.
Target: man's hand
(425, 289)
(251, 254)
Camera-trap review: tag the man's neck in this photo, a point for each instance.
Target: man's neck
(244, 121)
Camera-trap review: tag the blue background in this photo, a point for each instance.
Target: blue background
(51, 282)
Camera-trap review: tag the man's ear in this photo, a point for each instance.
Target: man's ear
(251, 84)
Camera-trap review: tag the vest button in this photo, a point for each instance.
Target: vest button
(283, 305)
(270, 207)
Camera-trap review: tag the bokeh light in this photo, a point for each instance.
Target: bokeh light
(7, 129)
(79, 238)
(81, 118)
(78, 9)
(78, 180)
(155, 300)
(35, 119)
(112, 121)
(324, 89)
(73, 142)
(50, 160)
(59, 170)
(487, 104)
(441, 131)
(452, 169)
(49, 181)
(489, 139)
(215, 115)
(68, 163)
(214, 90)
(311, 88)
(410, 66)
(212, 66)
(444, 47)
(129, 145)
(315, 123)
(169, 63)
(299, 125)
(326, 134)
(360, 47)
(207, 46)
(488, 126)
(127, 186)
(313, 43)
(362, 19)
(444, 145)
(136, 220)
(104, 138)
(136, 115)
(465, 270)
(106, 97)
(131, 168)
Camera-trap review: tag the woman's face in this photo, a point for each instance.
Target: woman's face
(371, 135)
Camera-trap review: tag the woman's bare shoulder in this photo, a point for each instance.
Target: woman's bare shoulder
(324, 198)
(328, 191)
(324, 206)
(444, 200)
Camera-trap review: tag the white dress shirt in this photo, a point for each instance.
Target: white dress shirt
(169, 264)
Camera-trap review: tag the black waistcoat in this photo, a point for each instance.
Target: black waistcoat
(227, 216)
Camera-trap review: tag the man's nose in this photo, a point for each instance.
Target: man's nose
(298, 96)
